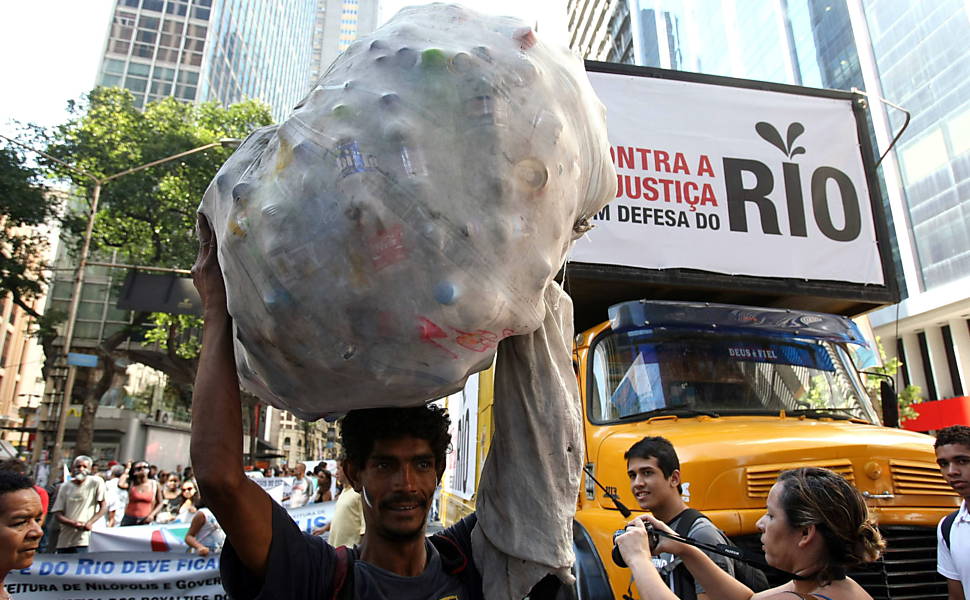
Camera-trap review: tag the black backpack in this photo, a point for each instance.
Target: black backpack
(750, 576)
(947, 526)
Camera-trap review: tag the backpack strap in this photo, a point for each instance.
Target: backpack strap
(686, 519)
(453, 558)
(456, 561)
(947, 526)
(683, 581)
(343, 574)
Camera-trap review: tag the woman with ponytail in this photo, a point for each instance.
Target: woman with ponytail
(817, 527)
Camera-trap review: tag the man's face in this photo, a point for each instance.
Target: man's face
(397, 485)
(649, 485)
(954, 461)
(80, 469)
(300, 470)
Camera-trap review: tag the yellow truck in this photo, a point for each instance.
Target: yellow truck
(748, 371)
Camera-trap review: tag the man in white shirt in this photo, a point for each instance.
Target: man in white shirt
(301, 490)
(953, 533)
(79, 505)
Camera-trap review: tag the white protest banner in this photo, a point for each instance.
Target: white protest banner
(118, 576)
(276, 487)
(170, 537)
(733, 180)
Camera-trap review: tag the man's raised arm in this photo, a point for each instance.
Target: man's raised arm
(241, 506)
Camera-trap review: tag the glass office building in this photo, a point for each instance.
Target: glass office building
(800, 42)
(260, 50)
(155, 48)
(923, 59)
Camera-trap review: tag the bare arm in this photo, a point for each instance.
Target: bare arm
(635, 547)
(955, 589)
(123, 480)
(159, 502)
(102, 508)
(197, 522)
(243, 509)
(67, 522)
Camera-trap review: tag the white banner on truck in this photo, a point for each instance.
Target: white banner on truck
(734, 181)
(118, 576)
(460, 470)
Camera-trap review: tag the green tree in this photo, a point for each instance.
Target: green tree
(149, 216)
(907, 397)
(29, 211)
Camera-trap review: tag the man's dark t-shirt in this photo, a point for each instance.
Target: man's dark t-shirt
(300, 566)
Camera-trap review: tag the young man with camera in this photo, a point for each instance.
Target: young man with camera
(654, 471)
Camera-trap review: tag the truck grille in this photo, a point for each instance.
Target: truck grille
(907, 570)
(762, 477)
(911, 477)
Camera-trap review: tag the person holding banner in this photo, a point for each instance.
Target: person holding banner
(144, 496)
(205, 535)
(21, 515)
(80, 503)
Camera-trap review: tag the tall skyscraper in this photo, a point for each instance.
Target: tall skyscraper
(921, 62)
(799, 42)
(229, 50)
(911, 53)
(261, 50)
(342, 22)
(155, 48)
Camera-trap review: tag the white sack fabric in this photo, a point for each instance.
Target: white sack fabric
(530, 480)
(409, 214)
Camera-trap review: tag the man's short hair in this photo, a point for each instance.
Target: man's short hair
(11, 481)
(955, 434)
(359, 429)
(659, 448)
(84, 458)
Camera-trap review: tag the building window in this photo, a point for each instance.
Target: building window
(6, 349)
(114, 66)
(959, 128)
(924, 157)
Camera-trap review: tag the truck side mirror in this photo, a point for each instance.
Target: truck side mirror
(890, 404)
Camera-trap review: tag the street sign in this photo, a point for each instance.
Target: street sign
(82, 360)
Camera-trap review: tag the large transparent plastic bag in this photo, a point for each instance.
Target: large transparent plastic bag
(410, 212)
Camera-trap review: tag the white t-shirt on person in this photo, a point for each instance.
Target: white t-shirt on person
(954, 562)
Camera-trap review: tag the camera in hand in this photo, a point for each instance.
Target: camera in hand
(652, 536)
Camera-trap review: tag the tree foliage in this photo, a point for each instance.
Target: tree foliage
(149, 216)
(908, 397)
(28, 211)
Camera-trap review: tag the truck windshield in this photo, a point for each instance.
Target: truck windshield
(644, 373)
